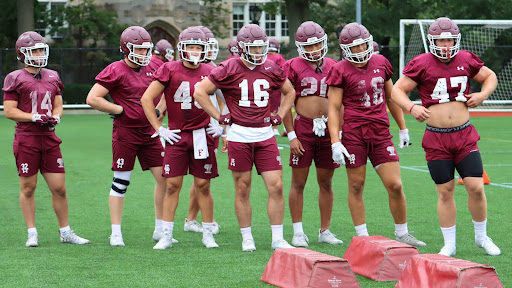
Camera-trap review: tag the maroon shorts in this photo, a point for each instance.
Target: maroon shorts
(179, 159)
(37, 152)
(128, 143)
(317, 148)
(368, 141)
(264, 155)
(449, 143)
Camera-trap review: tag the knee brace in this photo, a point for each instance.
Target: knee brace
(441, 171)
(470, 166)
(120, 183)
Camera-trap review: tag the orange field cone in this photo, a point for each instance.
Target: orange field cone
(484, 176)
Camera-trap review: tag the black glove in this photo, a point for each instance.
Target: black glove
(115, 116)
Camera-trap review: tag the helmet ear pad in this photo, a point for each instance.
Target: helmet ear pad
(136, 37)
(355, 34)
(249, 38)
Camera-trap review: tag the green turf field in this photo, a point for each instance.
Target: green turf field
(87, 155)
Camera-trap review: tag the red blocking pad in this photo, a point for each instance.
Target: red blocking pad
(301, 267)
(434, 270)
(379, 258)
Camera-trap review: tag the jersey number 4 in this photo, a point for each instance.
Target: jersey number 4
(441, 90)
(260, 96)
(183, 96)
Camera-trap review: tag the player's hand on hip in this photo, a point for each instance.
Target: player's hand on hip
(405, 140)
(170, 136)
(225, 119)
(215, 131)
(475, 99)
(339, 152)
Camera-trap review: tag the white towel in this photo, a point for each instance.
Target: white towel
(200, 144)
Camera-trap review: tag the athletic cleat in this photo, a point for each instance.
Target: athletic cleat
(193, 226)
(300, 240)
(448, 250)
(489, 246)
(165, 241)
(71, 238)
(411, 240)
(281, 244)
(32, 240)
(248, 245)
(328, 237)
(209, 241)
(216, 228)
(116, 239)
(157, 234)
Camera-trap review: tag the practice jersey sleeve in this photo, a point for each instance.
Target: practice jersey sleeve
(108, 78)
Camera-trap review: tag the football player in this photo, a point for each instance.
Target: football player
(246, 84)
(233, 50)
(309, 138)
(362, 83)
(125, 81)
(162, 52)
(189, 147)
(32, 98)
(450, 141)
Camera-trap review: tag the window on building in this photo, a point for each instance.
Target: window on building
(284, 26)
(270, 25)
(238, 18)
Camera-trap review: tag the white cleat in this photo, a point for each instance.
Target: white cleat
(71, 238)
(328, 237)
(193, 226)
(248, 245)
(489, 246)
(32, 240)
(300, 240)
(410, 240)
(116, 239)
(157, 234)
(209, 241)
(216, 228)
(448, 250)
(164, 242)
(281, 244)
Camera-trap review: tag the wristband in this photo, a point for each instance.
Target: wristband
(291, 135)
(410, 110)
(157, 112)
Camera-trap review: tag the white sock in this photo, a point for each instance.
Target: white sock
(297, 227)
(480, 229)
(277, 232)
(401, 229)
(158, 224)
(116, 229)
(207, 227)
(246, 233)
(449, 235)
(32, 230)
(64, 229)
(168, 225)
(361, 230)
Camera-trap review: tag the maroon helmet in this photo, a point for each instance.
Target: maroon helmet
(213, 44)
(376, 49)
(310, 33)
(136, 37)
(163, 47)
(443, 28)
(355, 34)
(25, 46)
(252, 44)
(193, 36)
(273, 45)
(233, 47)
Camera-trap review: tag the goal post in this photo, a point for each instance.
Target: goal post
(491, 40)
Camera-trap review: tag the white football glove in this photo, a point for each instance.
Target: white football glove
(319, 126)
(339, 152)
(405, 141)
(169, 135)
(215, 131)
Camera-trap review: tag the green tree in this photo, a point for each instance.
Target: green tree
(213, 15)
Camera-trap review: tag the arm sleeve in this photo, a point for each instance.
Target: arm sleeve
(108, 78)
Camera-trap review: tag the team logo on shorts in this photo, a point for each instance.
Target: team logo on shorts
(60, 162)
(24, 167)
(208, 168)
(232, 162)
(295, 160)
(278, 158)
(167, 169)
(391, 150)
(120, 162)
(352, 159)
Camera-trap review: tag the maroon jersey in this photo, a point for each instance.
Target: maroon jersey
(440, 82)
(305, 79)
(126, 86)
(363, 90)
(247, 91)
(34, 96)
(155, 64)
(277, 58)
(180, 82)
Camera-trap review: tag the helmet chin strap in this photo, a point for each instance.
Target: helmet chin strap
(319, 66)
(38, 74)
